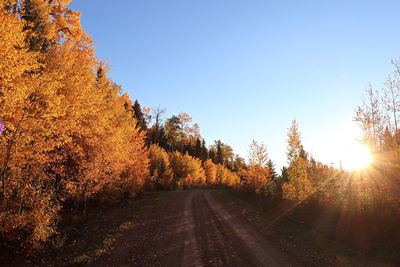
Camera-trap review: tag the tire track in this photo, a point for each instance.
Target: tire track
(218, 242)
(259, 248)
(191, 253)
(193, 228)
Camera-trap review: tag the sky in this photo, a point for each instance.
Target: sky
(245, 69)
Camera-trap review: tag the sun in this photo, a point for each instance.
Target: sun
(357, 156)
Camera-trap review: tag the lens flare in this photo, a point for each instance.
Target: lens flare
(357, 156)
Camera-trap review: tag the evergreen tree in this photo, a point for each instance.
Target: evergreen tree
(138, 114)
(198, 149)
(162, 138)
(239, 163)
(204, 151)
(220, 157)
(213, 154)
(271, 167)
(284, 178)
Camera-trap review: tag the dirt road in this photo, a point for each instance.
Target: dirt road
(195, 228)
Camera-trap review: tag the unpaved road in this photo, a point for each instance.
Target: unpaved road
(195, 228)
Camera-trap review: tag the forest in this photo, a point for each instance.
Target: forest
(71, 138)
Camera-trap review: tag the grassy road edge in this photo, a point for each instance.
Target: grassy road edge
(337, 254)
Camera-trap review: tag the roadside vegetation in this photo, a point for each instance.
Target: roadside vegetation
(71, 140)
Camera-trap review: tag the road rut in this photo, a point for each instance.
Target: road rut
(195, 228)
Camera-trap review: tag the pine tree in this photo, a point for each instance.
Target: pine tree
(138, 113)
(219, 156)
(213, 154)
(271, 167)
(204, 151)
(198, 149)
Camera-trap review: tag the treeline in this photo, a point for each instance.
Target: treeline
(179, 157)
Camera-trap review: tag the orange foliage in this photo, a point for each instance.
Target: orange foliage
(160, 168)
(67, 133)
(259, 180)
(29, 106)
(210, 170)
(226, 177)
(183, 165)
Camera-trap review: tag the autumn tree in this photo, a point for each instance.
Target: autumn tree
(196, 131)
(298, 186)
(258, 177)
(172, 132)
(66, 132)
(184, 128)
(371, 118)
(182, 165)
(210, 172)
(184, 120)
(160, 168)
(391, 102)
(225, 177)
(29, 107)
(239, 163)
(392, 94)
(258, 154)
(224, 154)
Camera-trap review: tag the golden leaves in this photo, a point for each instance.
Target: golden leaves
(67, 133)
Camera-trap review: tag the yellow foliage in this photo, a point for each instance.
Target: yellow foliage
(259, 180)
(160, 167)
(226, 177)
(182, 165)
(210, 170)
(29, 107)
(299, 187)
(188, 181)
(67, 132)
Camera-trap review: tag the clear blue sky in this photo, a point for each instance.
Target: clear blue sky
(244, 69)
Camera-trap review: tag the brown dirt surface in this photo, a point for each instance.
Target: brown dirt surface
(197, 228)
(180, 228)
